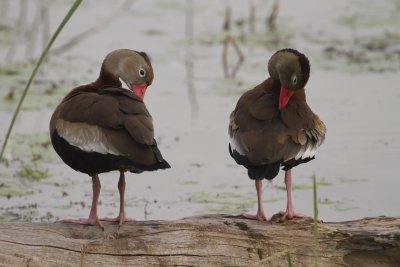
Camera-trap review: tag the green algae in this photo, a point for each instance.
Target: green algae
(171, 5)
(153, 32)
(374, 42)
(188, 182)
(326, 201)
(11, 191)
(54, 182)
(5, 35)
(6, 218)
(343, 206)
(370, 45)
(225, 198)
(43, 96)
(14, 69)
(337, 204)
(352, 180)
(305, 186)
(33, 173)
(43, 93)
(29, 148)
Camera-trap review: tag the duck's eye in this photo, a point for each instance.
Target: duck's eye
(294, 79)
(142, 72)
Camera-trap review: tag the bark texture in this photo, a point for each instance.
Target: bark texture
(210, 240)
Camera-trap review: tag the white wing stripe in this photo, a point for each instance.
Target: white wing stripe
(87, 137)
(235, 146)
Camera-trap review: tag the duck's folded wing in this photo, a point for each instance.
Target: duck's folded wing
(264, 135)
(104, 123)
(255, 112)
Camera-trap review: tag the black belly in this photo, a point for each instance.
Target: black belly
(94, 163)
(265, 171)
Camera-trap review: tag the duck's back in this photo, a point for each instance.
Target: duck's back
(99, 130)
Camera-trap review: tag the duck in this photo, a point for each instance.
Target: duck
(102, 126)
(272, 127)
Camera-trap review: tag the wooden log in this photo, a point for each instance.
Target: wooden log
(212, 240)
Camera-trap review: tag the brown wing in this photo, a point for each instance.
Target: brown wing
(264, 135)
(135, 117)
(253, 129)
(110, 121)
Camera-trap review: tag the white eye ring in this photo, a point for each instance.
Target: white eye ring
(294, 79)
(142, 72)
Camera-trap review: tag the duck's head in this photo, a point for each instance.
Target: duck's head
(131, 67)
(292, 69)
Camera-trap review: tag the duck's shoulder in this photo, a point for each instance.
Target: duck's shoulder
(298, 115)
(128, 102)
(260, 103)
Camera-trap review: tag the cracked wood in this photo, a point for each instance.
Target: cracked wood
(210, 240)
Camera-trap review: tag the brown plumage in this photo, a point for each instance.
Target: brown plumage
(102, 127)
(272, 125)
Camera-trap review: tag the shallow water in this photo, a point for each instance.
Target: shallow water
(357, 99)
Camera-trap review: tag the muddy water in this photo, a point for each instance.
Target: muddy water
(353, 87)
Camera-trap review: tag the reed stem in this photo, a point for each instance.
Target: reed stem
(42, 56)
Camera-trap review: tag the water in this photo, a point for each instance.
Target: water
(190, 102)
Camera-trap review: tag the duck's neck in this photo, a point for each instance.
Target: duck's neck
(109, 72)
(270, 85)
(300, 94)
(275, 86)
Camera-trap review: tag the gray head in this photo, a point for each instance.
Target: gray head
(132, 67)
(290, 67)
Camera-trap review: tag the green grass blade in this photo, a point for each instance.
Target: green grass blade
(315, 207)
(289, 259)
(42, 56)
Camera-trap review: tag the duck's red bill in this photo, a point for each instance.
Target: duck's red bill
(139, 90)
(284, 96)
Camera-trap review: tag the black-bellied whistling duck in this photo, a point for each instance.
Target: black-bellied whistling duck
(101, 127)
(272, 126)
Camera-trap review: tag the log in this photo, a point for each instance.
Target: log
(211, 240)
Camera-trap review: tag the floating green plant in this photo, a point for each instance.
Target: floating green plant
(342, 206)
(171, 5)
(337, 204)
(33, 173)
(5, 218)
(188, 182)
(13, 69)
(8, 191)
(326, 201)
(41, 95)
(29, 148)
(352, 180)
(225, 198)
(305, 186)
(153, 32)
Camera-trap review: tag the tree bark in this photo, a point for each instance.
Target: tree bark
(210, 240)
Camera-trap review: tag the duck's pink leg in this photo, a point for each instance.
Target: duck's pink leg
(260, 216)
(93, 218)
(121, 188)
(289, 213)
